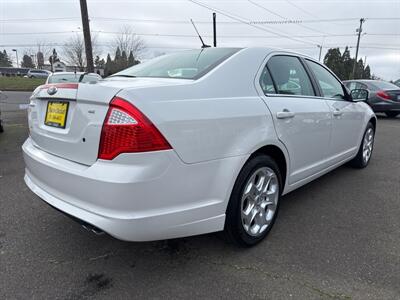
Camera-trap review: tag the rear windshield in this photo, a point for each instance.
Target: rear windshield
(191, 64)
(383, 85)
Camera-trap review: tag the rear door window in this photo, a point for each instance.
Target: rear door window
(289, 76)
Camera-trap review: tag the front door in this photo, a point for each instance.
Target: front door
(347, 116)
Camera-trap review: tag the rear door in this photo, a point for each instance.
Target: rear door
(348, 116)
(302, 120)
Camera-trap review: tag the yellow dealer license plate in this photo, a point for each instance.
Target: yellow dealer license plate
(56, 114)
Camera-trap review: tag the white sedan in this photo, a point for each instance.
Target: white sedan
(194, 142)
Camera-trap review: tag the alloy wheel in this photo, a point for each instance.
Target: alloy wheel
(259, 201)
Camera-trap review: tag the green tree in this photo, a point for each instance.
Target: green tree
(124, 60)
(27, 62)
(40, 59)
(333, 60)
(359, 72)
(367, 73)
(347, 62)
(108, 68)
(5, 60)
(131, 60)
(118, 63)
(342, 65)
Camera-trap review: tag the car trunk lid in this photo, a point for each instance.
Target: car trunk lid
(84, 107)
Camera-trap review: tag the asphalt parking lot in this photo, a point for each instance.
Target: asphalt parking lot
(338, 237)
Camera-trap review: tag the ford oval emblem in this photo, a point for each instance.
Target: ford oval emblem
(52, 90)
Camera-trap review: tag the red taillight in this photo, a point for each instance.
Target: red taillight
(127, 130)
(383, 95)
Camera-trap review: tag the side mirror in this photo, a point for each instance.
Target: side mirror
(359, 95)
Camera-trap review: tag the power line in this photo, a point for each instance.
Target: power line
(245, 21)
(38, 20)
(282, 17)
(99, 44)
(269, 22)
(365, 46)
(302, 9)
(330, 35)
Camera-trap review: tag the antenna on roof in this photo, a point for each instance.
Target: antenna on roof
(201, 40)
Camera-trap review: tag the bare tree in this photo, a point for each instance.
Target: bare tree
(42, 51)
(127, 41)
(44, 47)
(74, 51)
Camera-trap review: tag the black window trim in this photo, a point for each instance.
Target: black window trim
(346, 94)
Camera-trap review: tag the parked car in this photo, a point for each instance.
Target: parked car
(60, 77)
(193, 142)
(384, 97)
(32, 73)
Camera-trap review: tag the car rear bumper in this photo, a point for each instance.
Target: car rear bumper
(386, 106)
(136, 197)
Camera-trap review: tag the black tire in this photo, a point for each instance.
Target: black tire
(234, 230)
(359, 162)
(1, 127)
(392, 114)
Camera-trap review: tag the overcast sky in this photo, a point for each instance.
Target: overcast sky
(23, 23)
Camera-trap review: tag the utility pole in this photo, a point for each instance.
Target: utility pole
(359, 30)
(86, 36)
(215, 28)
(320, 52)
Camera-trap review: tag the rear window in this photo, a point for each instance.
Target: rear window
(191, 64)
(383, 85)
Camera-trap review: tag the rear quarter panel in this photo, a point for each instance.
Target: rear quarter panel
(218, 116)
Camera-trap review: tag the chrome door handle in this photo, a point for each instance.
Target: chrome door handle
(285, 114)
(337, 113)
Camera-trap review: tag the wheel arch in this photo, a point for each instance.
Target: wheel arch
(373, 121)
(280, 158)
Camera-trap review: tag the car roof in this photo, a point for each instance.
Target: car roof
(73, 73)
(38, 70)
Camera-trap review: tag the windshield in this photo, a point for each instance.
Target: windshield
(383, 85)
(59, 78)
(191, 64)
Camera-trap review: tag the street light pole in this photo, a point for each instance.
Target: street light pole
(362, 20)
(215, 29)
(16, 54)
(320, 52)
